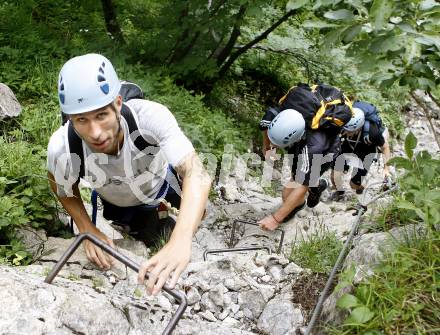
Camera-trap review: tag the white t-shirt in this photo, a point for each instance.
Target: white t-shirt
(132, 177)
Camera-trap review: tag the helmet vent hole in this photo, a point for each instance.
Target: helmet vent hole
(62, 87)
(103, 65)
(105, 88)
(101, 70)
(101, 78)
(62, 98)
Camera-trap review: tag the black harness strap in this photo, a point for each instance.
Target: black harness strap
(140, 141)
(75, 147)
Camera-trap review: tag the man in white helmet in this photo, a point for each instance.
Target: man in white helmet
(361, 139)
(128, 179)
(310, 149)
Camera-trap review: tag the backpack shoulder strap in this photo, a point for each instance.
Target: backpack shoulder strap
(140, 142)
(75, 146)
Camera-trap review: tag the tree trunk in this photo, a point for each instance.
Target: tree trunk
(111, 21)
(183, 51)
(180, 50)
(233, 57)
(233, 38)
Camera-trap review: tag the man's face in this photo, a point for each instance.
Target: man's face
(99, 128)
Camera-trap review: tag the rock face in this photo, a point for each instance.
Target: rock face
(227, 294)
(9, 105)
(65, 308)
(280, 317)
(420, 126)
(232, 293)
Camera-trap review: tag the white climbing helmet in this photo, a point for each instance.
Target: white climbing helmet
(356, 122)
(86, 83)
(286, 128)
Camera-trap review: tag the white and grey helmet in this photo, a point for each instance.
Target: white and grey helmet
(286, 128)
(356, 122)
(87, 83)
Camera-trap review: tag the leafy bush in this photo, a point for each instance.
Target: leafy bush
(24, 191)
(402, 295)
(14, 254)
(419, 196)
(209, 129)
(420, 185)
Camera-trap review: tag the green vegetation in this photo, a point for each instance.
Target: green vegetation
(14, 254)
(161, 241)
(97, 282)
(73, 277)
(402, 295)
(318, 251)
(420, 200)
(138, 293)
(396, 42)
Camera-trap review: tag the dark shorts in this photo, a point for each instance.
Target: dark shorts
(314, 156)
(144, 222)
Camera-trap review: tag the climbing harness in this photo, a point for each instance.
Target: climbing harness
(250, 248)
(179, 296)
(362, 208)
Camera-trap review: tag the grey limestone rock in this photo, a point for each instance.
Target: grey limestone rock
(280, 317)
(9, 105)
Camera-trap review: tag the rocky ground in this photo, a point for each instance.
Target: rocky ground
(232, 293)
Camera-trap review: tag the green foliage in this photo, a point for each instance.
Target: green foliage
(295, 4)
(138, 293)
(14, 254)
(396, 39)
(97, 282)
(209, 129)
(420, 196)
(24, 191)
(318, 251)
(357, 84)
(37, 36)
(73, 277)
(401, 296)
(161, 241)
(191, 39)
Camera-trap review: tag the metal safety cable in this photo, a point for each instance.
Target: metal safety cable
(343, 254)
